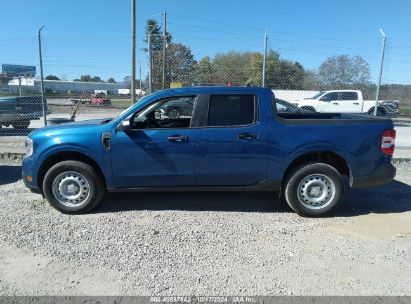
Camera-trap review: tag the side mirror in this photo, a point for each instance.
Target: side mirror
(124, 125)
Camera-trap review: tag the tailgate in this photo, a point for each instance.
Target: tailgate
(29, 104)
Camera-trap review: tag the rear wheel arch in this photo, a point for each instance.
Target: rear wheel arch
(308, 108)
(57, 157)
(322, 156)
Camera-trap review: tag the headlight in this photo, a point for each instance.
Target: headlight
(29, 147)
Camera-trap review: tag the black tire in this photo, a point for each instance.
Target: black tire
(21, 125)
(81, 173)
(308, 109)
(319, 176)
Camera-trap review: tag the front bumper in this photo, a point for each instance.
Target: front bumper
(27, 170)
(382, 176)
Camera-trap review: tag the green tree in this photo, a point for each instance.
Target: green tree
(180, 65)
(52, 77)
(283, 74)
(111, 80)
(344, 70)
(88, 78)
(205, 69)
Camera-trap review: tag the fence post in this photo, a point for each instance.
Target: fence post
(265, 58)
(384, 40)
(41, 77)
(133, 52)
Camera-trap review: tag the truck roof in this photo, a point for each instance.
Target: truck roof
(208, 90)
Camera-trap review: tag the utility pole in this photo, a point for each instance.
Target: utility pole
(164, 49)
(133, 51)
(139, 62)
(43, 100)
(384, 40)
(265, 57)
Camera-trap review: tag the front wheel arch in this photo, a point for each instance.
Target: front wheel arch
(62, 156)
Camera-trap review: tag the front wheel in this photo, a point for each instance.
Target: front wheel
(314, 189)
(73, 187)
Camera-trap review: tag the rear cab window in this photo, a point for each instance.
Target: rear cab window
(348, 96)
(232, 110)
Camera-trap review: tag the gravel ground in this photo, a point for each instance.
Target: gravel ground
(205, 244)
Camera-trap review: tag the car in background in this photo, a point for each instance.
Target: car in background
(18, 111)
(345, 101)
(392, 107)
(100, 99)
(95, 99)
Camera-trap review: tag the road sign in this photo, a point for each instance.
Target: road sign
(13, 70)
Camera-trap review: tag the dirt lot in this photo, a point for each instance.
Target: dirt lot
(205, 244)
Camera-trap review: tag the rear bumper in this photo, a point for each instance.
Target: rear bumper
(382, 176)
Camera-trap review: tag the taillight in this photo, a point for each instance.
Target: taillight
(388, 142)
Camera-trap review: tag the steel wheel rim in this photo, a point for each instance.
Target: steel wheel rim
(174, 114)
(316, 191)
(71, 189)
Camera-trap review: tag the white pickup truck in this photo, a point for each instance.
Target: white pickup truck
(344, 101)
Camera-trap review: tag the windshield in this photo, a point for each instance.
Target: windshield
(316, 95)
(138, 100)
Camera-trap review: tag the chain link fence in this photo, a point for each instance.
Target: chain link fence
(235, 62)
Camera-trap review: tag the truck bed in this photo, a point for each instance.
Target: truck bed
(328, 118)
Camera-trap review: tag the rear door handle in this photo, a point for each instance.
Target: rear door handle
(247, 136)
(177, 138)
(336, 103)
(356, 103)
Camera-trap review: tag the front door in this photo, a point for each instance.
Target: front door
(158, 151)
(232, 146)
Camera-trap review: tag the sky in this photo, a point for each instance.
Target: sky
(93, 36)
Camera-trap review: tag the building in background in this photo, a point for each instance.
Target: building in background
(64, 87)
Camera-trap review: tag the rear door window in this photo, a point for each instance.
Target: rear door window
(231, 110)
(348, 96)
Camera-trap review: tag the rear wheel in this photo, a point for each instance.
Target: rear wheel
(21, 125)
(314, 189)
(73, 187)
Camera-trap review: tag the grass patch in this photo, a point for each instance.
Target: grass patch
(405, 112)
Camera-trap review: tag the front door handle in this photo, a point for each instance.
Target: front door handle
(177, 138)
(247, 136)
(336, 103)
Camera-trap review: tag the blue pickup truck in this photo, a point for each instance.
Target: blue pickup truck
(225, 139)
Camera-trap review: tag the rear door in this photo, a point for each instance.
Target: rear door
(349, 103)
(232, 144)
(329, 103)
